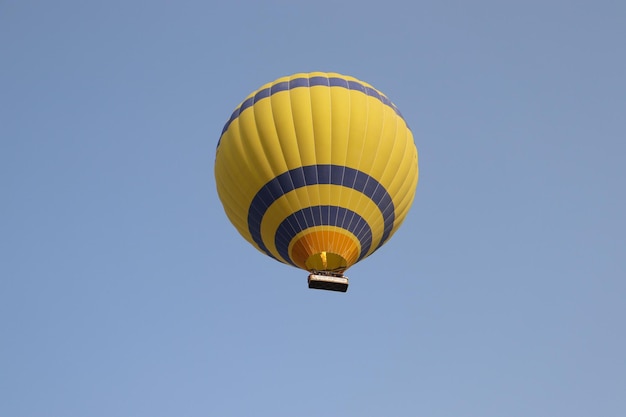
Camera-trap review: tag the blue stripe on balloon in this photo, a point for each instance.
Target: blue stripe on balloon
(322, 216)
(315, 175)
(307, 82)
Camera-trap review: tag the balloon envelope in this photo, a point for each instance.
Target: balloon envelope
(316, 170)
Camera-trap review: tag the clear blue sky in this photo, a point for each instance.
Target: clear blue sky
(125, 291)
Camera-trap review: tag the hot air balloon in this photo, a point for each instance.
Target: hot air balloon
(317, 170)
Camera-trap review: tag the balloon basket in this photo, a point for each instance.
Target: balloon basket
(328, 282)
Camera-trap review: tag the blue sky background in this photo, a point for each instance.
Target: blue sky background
(125, 291)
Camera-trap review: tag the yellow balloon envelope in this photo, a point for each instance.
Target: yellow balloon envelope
(316, 170)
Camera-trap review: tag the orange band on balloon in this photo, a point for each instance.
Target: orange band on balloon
(327, 242)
